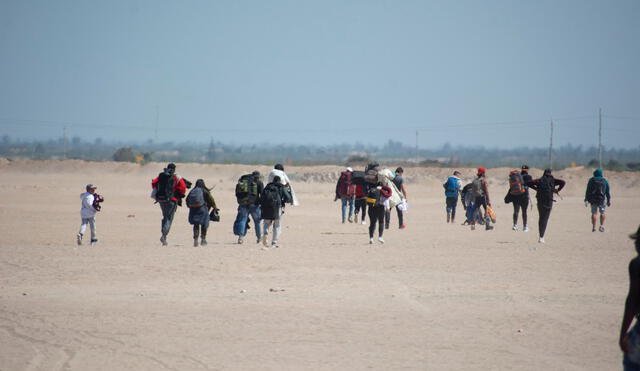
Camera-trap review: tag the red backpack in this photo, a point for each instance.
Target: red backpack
(516, 183)
(345, 187)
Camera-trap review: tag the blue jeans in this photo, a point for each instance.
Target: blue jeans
(345, 201)
(168, 211)
(240, 225)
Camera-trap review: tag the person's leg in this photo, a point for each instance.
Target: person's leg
(266, 224)
(276, 231)
(351, 207)
(454, 202)
(343, 201)
(240, 224)
(364, 210)
(544, 212)
(168, 211)
(594, 216)
(602, 215)
(516, 208)
(196, 234)
(92, 226)
(447, 208)
(256, 215)
(203, 235)
(83, 226)
(525, 205)
(400, 217)
(387, 218)
(382, 215)
(372, 221)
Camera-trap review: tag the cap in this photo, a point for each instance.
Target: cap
(91, 186)
(350, 170)
(482, 170)
(525, 167)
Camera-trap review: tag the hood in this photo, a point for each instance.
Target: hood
(597, 173)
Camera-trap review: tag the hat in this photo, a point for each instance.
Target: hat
(91, 186)
(482, 170)
(385, 191)
(636, 235)
(525, 167)
(350, 170)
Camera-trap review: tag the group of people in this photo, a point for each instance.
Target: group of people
(373, 192)
(475, 195)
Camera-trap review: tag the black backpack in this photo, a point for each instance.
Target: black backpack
(195, 198)
(270, 198)
(246, 190)
(166, 182)
(546, 187)
(597, 192)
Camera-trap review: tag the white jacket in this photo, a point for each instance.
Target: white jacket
(87, 210)
(284, 179)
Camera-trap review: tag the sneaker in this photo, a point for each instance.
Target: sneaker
(593, 229)
(274, 245)
(488, 227)
(203, 242)
(265, 243)
(371, 241)
(515, 227)
(195, 242)
(526, 229)
(355, 218)
(386, 226)
(79, 239)
(94, 241)
(601, 229)
(541, 240)
(363, 222)
(258, 240)
(473, 227)
(163, 239)
(240, 240)
(403, 226)
(380, 239)
(350, 219)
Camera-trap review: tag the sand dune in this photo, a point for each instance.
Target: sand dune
(436, 296)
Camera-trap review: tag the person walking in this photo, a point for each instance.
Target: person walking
(545, 187)
(629, 341)
(398, 181)
(599, 197)
(452, 188)
(168, 191)
(519, 195)
(248, 190)
(378, 200)
(272, 201)
(278, 170)
(346, 193)
(200, 201)
(90, 205)
(480, 192)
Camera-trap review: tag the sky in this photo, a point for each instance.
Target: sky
(491, 73)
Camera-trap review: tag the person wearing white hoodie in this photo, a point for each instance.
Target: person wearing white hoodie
(88, 214)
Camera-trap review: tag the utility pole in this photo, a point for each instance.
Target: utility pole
(600, 138)
(157, 119)
(551, 147)
(64, 142)
(416, 147)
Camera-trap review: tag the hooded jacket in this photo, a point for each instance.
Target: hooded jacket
(597, 175)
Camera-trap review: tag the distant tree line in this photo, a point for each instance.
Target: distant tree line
(391, 152)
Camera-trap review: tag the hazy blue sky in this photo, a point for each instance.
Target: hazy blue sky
(463, 72)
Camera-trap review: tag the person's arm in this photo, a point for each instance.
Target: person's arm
(560, 183)
(485, 188)
(533, 184)
(606, 183)
(403, 190)
(630, 306)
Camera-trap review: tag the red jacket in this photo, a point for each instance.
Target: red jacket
(179, 187)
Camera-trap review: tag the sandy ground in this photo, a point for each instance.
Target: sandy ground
(436, 296)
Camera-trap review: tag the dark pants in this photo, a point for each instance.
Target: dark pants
(387, 218)
(451, 206)
(376, 214)
(361, 204)
(199, 230)
(168, 211)
(480, 201)
(520, 202)
(544, 211)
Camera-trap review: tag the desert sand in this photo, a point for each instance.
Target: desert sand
(435, 296)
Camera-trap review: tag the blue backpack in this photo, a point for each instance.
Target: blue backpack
(451, 187)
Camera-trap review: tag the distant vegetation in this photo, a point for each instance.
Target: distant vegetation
(351, 154)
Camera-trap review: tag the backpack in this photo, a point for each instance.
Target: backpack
(476, 188)
(246, 190)
(597, 192)
(451, 187)
(371, 176)
(270, 198)
(516, 183)
(546, 187)
(345, 186)
(166, 182)
(195, 198)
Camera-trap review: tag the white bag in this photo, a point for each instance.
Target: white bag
(403, 206)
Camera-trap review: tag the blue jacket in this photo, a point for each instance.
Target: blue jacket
(450, 191)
